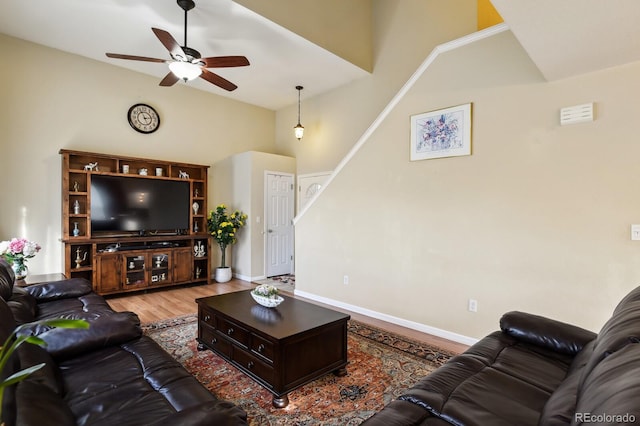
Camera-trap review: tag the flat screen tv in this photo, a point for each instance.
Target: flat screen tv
(121, 204)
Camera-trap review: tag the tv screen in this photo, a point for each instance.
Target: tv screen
(130, 204)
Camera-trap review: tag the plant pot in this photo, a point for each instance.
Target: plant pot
(223, 274)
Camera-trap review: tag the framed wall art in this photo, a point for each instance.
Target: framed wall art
(442, 133)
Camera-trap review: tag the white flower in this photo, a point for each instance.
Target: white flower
(30, 249)
(4, 247)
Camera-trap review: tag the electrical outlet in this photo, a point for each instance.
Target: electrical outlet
(473, 305)
(345, 280)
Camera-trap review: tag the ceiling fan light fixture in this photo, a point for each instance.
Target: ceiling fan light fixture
(185, 70)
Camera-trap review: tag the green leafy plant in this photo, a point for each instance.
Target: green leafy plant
(224, 228)
(15, 340)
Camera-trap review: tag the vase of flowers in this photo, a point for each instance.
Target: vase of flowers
(224, 228)
(16, 252)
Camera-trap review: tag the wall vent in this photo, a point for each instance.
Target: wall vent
(576, 114)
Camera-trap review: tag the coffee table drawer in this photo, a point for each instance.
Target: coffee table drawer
(233, 331)
(262, 347)
(254, 366)
(215, 342)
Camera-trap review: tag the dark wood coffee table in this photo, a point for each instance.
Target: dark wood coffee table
(280, 348)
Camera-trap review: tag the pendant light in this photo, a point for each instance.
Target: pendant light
(299, 129)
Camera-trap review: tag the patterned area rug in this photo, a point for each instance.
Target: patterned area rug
(283, 282)
(382, 366)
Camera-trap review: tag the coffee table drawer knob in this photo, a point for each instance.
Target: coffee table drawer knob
(260, 348)
(214, 341)
(230, 331)
(250, 365)
(207, 318)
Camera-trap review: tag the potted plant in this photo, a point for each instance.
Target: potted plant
(16, 252)
(15, 339)
(224, 228)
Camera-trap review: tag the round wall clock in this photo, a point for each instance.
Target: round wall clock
(143, 118)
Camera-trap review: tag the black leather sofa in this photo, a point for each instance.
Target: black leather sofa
(534, 371)
(109, 374)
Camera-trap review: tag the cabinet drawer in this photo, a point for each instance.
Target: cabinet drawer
(262, 347)
(233, 331)
(254, 366)
(211, 339)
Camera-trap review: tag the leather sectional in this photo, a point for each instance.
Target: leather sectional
(534, 371)
(109, 374)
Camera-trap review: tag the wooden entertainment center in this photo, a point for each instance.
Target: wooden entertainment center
(131, 261)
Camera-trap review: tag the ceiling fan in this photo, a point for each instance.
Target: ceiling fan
(186, 63)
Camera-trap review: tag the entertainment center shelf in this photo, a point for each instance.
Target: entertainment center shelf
(119, 248)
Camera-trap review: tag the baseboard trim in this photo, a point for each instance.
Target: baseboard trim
(438, 332)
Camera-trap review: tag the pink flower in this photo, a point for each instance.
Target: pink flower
(16, 245)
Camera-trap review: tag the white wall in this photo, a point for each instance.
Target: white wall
(536, 219)
(52, 100)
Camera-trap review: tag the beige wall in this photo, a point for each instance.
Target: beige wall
(52, 100)
(240, 184)
(537, 219)
(404, 33)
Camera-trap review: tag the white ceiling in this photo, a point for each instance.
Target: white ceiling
(562, 37)
(279, 59)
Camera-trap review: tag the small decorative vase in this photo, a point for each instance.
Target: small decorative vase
(76, 230)
(196, 207)
(20, 269)
(223, 274)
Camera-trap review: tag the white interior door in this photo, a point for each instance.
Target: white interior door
(279, 223)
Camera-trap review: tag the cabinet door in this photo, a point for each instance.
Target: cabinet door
(135, 270)
(182, 265)
(160, 267)
(108, 277)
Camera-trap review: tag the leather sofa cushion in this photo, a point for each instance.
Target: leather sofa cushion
(71, 307)
(612, 388)
(545, 332)
(134, 383)
(218, 413)
(619, 331)
(498, 381)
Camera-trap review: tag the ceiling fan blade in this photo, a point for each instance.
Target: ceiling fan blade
(134, 58)
(217, 80)
(169, 80)
(225, 61)
(170, 43)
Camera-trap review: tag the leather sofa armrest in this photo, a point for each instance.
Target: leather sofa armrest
(545, 332)
(219, 413)
(104, 331)
(63, 289)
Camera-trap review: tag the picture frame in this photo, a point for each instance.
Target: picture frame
(441, 133)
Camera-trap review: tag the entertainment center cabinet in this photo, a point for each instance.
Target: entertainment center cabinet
(123, 260)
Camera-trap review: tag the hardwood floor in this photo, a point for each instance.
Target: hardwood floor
(157, 305)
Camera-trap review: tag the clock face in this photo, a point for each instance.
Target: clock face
(143, 118)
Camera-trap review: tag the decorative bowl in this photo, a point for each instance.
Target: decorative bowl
(269, 302)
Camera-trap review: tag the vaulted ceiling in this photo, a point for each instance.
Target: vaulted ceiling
(563, 38)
